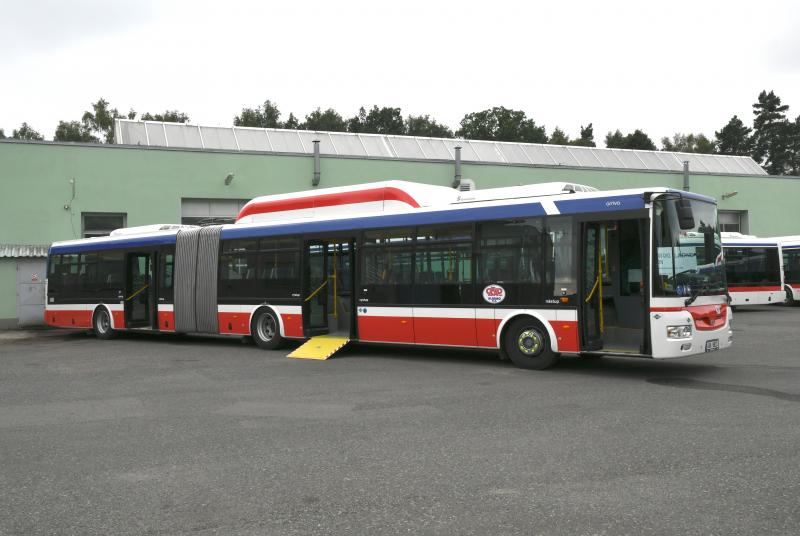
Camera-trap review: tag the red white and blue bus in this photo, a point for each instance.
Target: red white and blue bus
(530, 271)
(753, 269)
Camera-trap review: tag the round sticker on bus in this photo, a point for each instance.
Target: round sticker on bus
(494, 294)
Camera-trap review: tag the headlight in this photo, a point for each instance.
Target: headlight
(679, 332)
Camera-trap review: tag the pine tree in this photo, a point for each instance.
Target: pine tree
(559, 137)
(587, 137)
(734, 138)
(771, 131)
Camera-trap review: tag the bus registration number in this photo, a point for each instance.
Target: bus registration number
(712, 345)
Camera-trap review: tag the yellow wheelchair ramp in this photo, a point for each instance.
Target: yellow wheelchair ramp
(320, 347)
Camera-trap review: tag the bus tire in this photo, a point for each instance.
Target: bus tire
(101, 323)
(790, 297)
(526, 342)
(265, 330)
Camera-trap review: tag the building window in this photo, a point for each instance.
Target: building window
(733, 221)
(210, 211)
(101, 223)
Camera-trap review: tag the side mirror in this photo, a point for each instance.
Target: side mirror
(685, 214)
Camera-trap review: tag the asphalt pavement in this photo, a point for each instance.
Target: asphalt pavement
(188, 435)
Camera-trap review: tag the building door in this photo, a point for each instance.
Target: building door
(138, 292)
(30, 292)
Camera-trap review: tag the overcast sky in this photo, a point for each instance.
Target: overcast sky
(683, 66)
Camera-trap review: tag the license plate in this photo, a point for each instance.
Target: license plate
(712, 345)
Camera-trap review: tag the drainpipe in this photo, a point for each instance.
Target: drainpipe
(315, 180)
(457, 178)
(686, 175)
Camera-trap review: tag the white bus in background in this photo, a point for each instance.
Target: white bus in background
(790, 256)
(753, 268)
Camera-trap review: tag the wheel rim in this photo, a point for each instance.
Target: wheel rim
(103, 322)
(266, 327)
(529, 342)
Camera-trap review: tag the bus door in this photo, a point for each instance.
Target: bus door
(591, 288)
(613, 288)
(138, 290)
(315, 292)
(340, 262)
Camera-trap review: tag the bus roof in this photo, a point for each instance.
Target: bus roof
(348, 208)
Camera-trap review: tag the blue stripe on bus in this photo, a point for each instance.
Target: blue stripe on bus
(139, 241)
(390, 220)
(601, 204)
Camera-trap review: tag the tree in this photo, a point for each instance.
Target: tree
(73, 131)
(169, 116)
(26, 132)
(587, 137)
(292, 122)
(266, 116)
(357, 123)
(386, 120)
(734, 138)
(100, 120)
(688, 143)
(559, 137)
(794, 148)
(635, 140)
(771, 131)
(423, 125)
(2, 134)
(501, 124)
(329, 120)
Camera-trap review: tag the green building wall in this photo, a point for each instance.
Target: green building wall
(37, 205)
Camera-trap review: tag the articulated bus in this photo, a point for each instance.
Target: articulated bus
(531, 272)
(753, 269)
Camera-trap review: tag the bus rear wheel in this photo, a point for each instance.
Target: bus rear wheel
(790, 297)
(527, 344)
(102, 324)
(265, 330)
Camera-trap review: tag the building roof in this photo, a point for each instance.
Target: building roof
(348, 145)
(23, 250)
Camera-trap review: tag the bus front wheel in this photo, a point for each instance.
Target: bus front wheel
(265, 330)
(102, 324)
(527, 344)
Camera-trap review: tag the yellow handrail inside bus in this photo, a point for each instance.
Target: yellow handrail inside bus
(137, 292)
(316, 291)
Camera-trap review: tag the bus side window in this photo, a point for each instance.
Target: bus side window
(560, 267)
(443, 265)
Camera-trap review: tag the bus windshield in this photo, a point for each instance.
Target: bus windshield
(688, 248)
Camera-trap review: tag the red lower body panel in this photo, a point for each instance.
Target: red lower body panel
(69, 319)
(292, 325)
(769, 288)
(234, 323)
(449, 331)
(386, 329)
(166, 321)
(486, 332)
(567, 335)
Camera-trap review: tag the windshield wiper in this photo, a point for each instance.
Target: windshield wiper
(690, 300)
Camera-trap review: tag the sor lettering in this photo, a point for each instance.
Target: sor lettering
(494, 294)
